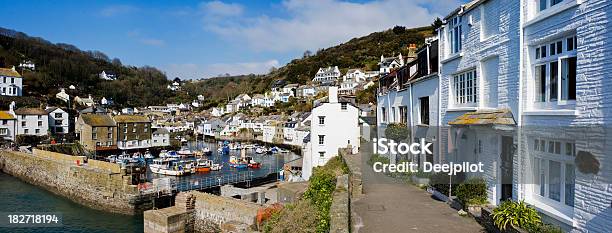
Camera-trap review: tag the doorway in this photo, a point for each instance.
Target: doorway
(507, 154)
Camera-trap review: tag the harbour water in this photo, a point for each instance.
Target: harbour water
(19, 196)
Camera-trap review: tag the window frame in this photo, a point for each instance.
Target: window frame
(551, 59)
(463, 85)
(543, 156)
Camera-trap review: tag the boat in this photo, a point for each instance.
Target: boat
(216, 167)
(248, 146)
(203, 165)
(251, 162)
(189, 166)
(237, 163)
(168, 166)
(148, 155)
(234, 146)
(274, 150)
(260, 150)
(185, 152)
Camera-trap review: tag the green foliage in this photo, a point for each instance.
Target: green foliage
(300, 217)
(472, 191)
(515, 214)
(377, 158)
(545, 228)
(367, 95)
(397, 132)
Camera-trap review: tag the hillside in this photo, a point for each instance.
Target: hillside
(61, 65)
(363, 52)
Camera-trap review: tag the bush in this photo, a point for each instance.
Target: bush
(300, 217)
(472, 191)
(440, 182)
(516, 214)
(397, 132)
(320, 193)
(377, 158)
(545, 228)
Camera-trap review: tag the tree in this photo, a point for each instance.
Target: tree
(437, 23)
(307, 53)
(399, 30)
(397, 132)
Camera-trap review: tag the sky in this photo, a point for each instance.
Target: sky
(200, 39)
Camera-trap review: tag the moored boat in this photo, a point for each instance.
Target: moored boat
(168, 166)
(203, 165)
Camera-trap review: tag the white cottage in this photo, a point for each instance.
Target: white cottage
(11, 82)
(334, 125)
(327, 76)
(58, 120)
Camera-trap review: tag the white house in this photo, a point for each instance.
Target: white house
(334, 125)
(108, 75)
(290, 89)
(258, 100)
(30, 121)
(11, 82)
(387, 64)
(28, 65)
(356, 75)
(211, 127)
(88, 102)
(8, 126)
(62, 95)
(217, 112)
(327, 76)
(58, 120)
(160, 137)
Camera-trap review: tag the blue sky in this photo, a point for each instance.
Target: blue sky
(200, 39)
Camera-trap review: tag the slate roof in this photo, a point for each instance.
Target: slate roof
(98, 120)
(485, 117)
(160, 131)
(131, 118)
(9, 73)
(30, 111)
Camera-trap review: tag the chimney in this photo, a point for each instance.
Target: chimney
(12, 107)
(13, 68)
(333, 94)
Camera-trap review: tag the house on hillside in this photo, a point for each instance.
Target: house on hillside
(62, 95)
(11, 82)
(31, 121)
(387, 64)
(27, 65)
(334, 124)
(107, 75)
(327, 76)
(87, 102)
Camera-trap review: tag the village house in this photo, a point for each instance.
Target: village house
(387, 64)
(87, 102)
(30, 121)
(59, 121)
(258, 100)
(11, 82)
(97, 132)
(327, 76)
(211, 127)
(27, 65)
(108, 75)
(217, 112)
(290, 89)
(8, 126)
(305, 91)
(62, 95)
(133, 132)
(160, 137)
(334, 125)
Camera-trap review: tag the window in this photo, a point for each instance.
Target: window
(403, 111)
(322, 154)
(465, 88)
(454, 34)
(4, 122)
(58, 122)
(94, 136)
(555, 75)
(23, 123)
(321, 139)
(110, 135)
(58, 115)
(343, 106)
(321, 120)
(39, 117)
(37, 131)
(554, 171)
(146, 128)
(134, 128)
(125, 128)
(4, 131)
(39, 123)
(489, 20)
(544, 4)
(26, 131)
(384, 114)
(424, 110)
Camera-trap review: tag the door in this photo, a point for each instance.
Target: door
(506, 167)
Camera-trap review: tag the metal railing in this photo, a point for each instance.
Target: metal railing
(173, 185)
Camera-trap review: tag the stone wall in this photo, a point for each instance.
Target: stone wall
(340, 209)
(94, 186)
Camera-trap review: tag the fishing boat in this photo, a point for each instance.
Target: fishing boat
(260, 150)
(237, 163)
(189, 166)
(169, 166)
(203, 165)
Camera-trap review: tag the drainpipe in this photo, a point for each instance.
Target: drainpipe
(411, 116)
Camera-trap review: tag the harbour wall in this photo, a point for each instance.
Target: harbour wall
(96, 184)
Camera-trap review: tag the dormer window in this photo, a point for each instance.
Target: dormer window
(454, 34)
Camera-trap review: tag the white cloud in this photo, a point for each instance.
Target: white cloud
(314, 24)
(221, 9)
(114, 10)
(191, 70)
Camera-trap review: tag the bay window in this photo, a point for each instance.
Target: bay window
(555, 74)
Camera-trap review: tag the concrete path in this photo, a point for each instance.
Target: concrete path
(391, 206)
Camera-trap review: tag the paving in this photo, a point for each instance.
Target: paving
(390, 205)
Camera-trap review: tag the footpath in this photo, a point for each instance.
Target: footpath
(389, 205)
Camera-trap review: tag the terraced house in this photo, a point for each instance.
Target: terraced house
(97, 132)
(134, 132)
